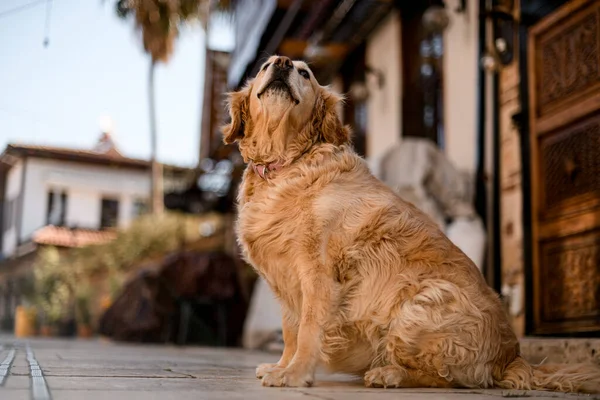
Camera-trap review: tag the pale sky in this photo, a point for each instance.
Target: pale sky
(94, 66)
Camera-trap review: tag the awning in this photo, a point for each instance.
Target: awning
(252, 19)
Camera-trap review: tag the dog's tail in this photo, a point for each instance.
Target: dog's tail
(519, 374)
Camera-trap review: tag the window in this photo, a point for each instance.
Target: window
(422, 69)
(56, 211)
(432, 51)
(9, 214)
(140, 207)
(109, 216)
(353, 73)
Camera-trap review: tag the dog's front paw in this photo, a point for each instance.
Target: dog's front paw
(290, 377)
(264, 369)
(385, 377)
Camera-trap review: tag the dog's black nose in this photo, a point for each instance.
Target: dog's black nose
(283, 62)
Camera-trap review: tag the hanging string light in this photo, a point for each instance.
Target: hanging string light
(47, 27)
(21, 8)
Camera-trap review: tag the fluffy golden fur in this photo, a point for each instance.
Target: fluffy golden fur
(367, 284)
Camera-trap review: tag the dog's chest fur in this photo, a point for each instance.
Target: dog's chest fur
(269, 236)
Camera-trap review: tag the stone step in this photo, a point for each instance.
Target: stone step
(558, 350)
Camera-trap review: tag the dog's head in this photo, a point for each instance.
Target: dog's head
(282, 112)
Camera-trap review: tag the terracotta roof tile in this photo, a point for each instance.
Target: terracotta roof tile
(66, 237)
(80, 155)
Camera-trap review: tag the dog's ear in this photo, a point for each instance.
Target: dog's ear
(238, 106)
(327, 120)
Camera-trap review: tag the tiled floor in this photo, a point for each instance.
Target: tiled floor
(90, 370)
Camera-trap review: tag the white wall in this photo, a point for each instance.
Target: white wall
(384, 104)
(460, 85)
(13, 189)
(85, 186)
(83, 208)
(125, 210)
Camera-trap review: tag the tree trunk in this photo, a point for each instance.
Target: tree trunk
(156, 178)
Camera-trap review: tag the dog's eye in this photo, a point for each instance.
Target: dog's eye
(265, 66)
(304, 73)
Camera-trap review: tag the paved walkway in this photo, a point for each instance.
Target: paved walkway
(90, 370)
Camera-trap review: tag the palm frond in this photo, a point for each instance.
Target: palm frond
(159, 20)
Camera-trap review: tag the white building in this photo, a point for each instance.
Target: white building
(80, 190)
(91, 190)
(63, 197)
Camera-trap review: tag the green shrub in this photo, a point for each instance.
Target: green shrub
(61, 279)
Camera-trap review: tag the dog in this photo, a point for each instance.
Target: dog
(368, 285)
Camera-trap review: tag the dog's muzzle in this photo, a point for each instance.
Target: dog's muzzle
(279, 83)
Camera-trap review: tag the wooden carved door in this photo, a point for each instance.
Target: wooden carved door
(564, 75)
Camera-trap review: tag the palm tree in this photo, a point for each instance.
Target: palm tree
(159, 22)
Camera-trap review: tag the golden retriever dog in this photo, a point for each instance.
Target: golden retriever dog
(367, 283)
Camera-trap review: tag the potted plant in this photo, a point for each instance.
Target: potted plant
(46, 327)
(83, 315)
(25, 315)
(50, 314)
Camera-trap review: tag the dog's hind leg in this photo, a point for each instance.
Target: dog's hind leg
(392, 376)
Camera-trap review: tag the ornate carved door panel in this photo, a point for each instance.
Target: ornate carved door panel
(564, 76)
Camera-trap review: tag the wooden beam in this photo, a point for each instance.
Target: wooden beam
(296, 49)
(285, 4)
(293, 48)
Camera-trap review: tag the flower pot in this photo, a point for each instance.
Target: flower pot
(46, 330)
(105, 302)
(24, 322)
(84, 331)
(67, 328)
